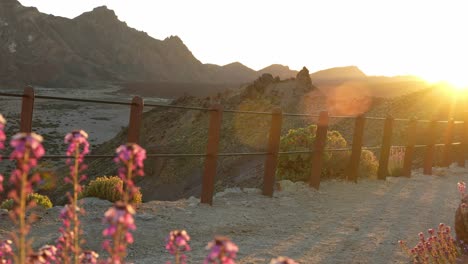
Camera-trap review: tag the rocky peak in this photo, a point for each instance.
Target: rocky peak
(103, 11)
(101, 14)
(173, 39)
(303, 78)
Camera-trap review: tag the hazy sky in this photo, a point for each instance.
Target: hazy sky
(426, 38)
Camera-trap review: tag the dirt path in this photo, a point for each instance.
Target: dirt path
(341, 223)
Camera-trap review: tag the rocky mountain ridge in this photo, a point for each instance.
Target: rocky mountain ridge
(47, 50)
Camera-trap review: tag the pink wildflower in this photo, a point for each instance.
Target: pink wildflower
(48, 253)
(89, 257)
(78, 147)
(66, 238)
(77, 140)
(6, 252)
(131, 156)
(27, 149)
(222, 250)
(119, 221)
(177, 242)
(283, 260)
(2, 145)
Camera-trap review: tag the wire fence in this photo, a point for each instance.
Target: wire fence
(272, 153)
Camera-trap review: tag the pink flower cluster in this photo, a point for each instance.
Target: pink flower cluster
(439, 247)
(78, 147)
(45, 255)
(6, 252)
(77, 142)
(119, 221)
(27, 149)
(176, 243)
(283, 260)
(131, 156)
(221, 250)
(2, 144)
(89, 257)
(65, 240)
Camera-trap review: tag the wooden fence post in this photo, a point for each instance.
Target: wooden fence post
(214, 133)
(273, 147)
(447, 153)
(134, 123)
(409, 150)
(464, 141)
(27, 108)
(353, 166)
(385, 149)
(430, 147)
(317, 151)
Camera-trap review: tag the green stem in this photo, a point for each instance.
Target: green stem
(177, 257)
(76, 223)
(117, 243)
(126, 193)
(23, 230)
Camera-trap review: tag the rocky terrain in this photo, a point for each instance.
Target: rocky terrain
(166, 130)
(342, 223)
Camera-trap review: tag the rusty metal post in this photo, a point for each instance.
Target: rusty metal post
(447, 152)
(27, 108)
(214, 133)
(134, 123)
(464, 141)
(317, 151)
(430, 148)
(273, 147)
(409, 150)
(353, 166)
(385, 149)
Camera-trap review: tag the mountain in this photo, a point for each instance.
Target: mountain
(338, 74)
(46, 50)
(350, 81)
(279, 70)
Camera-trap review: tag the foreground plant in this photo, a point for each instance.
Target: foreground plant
(120, 222)
(69, 241)
(221, 250)
(27, 149)
(439, 247)
(177, 244)
(2, 145)
(119, 218)
(89, 257)
(6, 252)
(131, 156)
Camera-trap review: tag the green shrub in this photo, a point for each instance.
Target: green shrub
(106, 188)
(369, 165)
(297, 167)
(39, 199)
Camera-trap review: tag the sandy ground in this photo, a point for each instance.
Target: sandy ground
(341, 223)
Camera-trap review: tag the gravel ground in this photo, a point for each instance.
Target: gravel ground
(341, 223)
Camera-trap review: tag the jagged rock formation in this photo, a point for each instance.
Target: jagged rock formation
(303, 80)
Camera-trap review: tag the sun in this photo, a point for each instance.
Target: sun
(455, 82)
